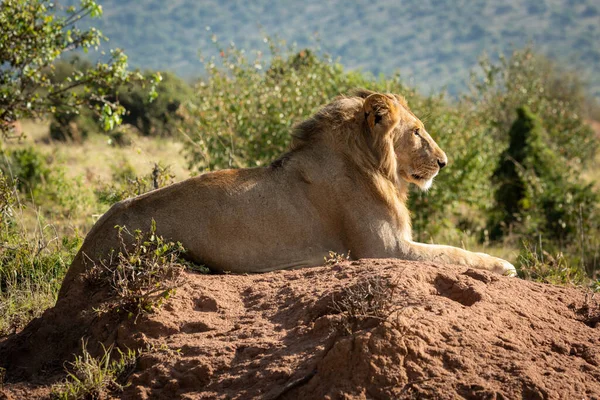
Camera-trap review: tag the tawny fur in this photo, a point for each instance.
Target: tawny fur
(342, 187)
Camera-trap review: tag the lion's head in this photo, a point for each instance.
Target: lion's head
(390, 122)
(379, 133)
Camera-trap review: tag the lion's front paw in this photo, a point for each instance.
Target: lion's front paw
(504, 267)
(496, 265)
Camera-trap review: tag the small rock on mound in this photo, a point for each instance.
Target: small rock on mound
(438, 332)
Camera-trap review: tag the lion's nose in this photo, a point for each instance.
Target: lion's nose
(442, 163)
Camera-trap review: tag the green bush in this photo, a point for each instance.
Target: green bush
(525, 171)
(158, 116)
(27, 165)
(556, 95)
(68, 126)
(537, 191)
(474, 130)
(143, 272)
(539, 198)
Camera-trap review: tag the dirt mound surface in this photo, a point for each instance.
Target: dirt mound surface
(367, 329)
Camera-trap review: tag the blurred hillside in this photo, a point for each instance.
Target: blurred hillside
(434, 44)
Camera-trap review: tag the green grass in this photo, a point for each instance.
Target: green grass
(95, 378)
(538, 265)
(32, 266)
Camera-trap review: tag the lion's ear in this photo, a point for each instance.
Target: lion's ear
(381, 113)
(381, 116)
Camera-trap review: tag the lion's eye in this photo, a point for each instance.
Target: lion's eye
(416, 131)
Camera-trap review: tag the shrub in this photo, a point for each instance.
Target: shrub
(27, 166)
(142, 274)
(43, 181)
(157, 115)
(536, 190)
(67, 126)
(160, 115)
(122, 136)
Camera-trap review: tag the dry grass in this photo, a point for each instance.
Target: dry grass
(95, 158)
(367, 301)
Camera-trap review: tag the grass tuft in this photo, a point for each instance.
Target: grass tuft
(536, 264)
(334, 258)
(141, 275)
(370, 300)
(94, 378)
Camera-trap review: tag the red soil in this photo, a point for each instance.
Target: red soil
(450, 332)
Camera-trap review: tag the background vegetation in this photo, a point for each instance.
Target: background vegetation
(520, 183)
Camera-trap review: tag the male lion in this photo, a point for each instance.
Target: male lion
(342, 187)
